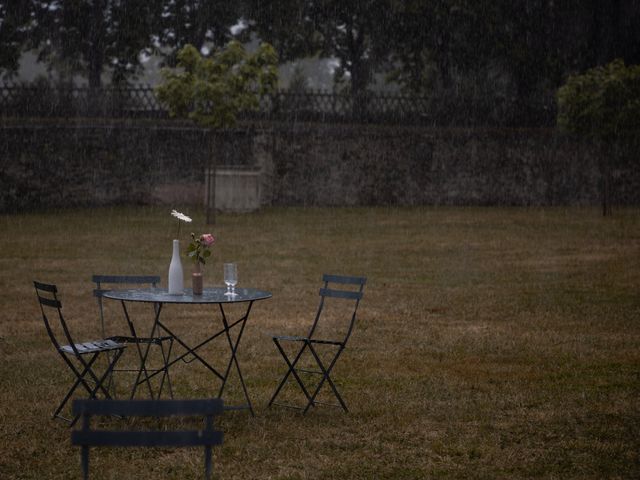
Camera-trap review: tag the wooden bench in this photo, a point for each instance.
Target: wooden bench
(207, 437)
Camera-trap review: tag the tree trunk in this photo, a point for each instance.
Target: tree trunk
(96, 47)
(359, 72)
(606, 153)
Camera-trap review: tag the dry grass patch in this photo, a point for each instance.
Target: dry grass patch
(491, 343)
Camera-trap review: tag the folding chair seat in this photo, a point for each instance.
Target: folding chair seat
(104, 283)
(206, 437)
(349, 291)
(82, 357)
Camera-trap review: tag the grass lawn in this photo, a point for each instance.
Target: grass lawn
(491, 343)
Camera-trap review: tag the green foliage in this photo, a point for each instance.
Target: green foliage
(351, 31)
(90, 38)
(212, 91)
(14, 16)
(194, 22)
(603, 103)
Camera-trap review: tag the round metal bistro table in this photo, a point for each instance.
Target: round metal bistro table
(210, 296)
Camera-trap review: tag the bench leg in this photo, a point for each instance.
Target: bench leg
(85, 462)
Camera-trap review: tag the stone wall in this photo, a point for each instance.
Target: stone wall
(329, 165)
(73, 164)
(60, 165)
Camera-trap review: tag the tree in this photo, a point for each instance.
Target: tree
(201, 23)
(214, 90)
(348, 30)
(611, 31)
(14, 21)
(525, 44)
(430, 39)
(89, 37)
(602, 105)
(446, 43)
(539, 51)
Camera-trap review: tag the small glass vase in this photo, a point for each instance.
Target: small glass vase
(197, 280)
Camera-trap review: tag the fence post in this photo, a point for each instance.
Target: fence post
(210, 178)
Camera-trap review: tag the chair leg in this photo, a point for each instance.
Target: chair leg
(325, 376)
(142, 371)
(291, 370)
(80, 380)
(143, 356)
(101, 380)
(105, 375)
(110, 384)
(165, 376)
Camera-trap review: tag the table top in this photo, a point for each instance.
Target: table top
(209, 295)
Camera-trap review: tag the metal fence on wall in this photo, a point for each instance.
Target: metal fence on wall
(48, 101)
(141, 102)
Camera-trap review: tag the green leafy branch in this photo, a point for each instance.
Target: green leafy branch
(213, 90)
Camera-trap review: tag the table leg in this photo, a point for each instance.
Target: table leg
(191, 351)
(234, 348)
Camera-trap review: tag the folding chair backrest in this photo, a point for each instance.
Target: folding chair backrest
(104, 283)
(50, 304)
(206, 437)
(343, 289)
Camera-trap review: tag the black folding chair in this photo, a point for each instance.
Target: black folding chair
(104, 283)
(316, 341)
(80, 357)
(206, 437)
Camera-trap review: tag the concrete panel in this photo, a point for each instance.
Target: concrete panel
(237, 189)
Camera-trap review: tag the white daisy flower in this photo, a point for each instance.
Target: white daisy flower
(181, 216)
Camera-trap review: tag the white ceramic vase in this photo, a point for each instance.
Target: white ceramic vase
(176, 275)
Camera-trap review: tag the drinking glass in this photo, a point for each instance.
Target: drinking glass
(231, 278)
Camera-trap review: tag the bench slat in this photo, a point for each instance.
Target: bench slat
(108, 438)
(149, 408)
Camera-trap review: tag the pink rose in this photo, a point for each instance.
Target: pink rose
(207, 239)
